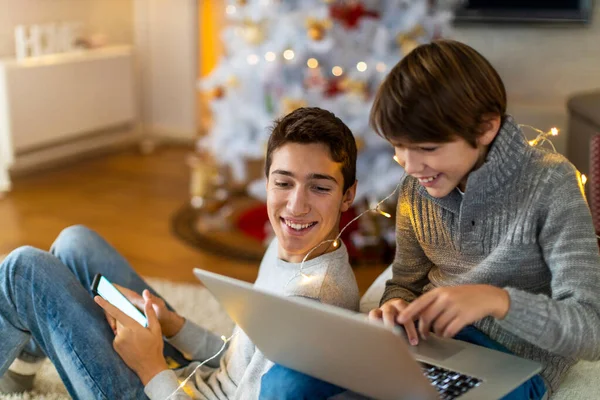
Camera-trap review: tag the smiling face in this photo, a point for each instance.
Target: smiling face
(441, 167)
(305, 199)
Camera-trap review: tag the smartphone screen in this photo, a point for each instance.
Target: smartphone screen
(108, 292)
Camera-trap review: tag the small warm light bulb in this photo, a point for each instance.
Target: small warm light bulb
(288, 54)
(554, 131)
(583, 179)
(223, 338)
(361, 66)
(384, 213)
(396, 159)
(230, 9)
(381, 67)
(312, 63)
(252, 59)
(532, 142)
(335, 243)
(337, 70)
(270, 56)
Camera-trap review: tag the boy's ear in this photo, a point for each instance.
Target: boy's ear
(489, 129)
(348, 197)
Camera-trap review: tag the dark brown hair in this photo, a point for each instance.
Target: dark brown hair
(314, 125)
(437, 92)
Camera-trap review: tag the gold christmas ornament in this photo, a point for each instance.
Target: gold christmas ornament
(217, 92)
(408, 41)
(203, 170)
(316, 29)
(253, 32)
(316, 33)
(290, 104)
(360, 144)
(353, 86)
(233, 82)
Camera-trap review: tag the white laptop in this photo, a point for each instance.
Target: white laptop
(344, 348)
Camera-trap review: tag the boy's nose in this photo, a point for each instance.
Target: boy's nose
(411, 162)
(298, 203)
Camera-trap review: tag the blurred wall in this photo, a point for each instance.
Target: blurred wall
(166, 41)
(113, 18)
(541, 65)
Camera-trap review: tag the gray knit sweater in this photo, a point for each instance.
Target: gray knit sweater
(523, 224)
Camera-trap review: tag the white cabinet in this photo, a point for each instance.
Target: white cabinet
(56, 98)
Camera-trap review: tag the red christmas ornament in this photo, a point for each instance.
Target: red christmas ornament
(333, 87)
(350, 14)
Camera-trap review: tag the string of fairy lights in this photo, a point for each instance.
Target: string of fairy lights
(182, 383)
(544, 137)
(541, 139)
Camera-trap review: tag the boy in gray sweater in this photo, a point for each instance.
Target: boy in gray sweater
(495, 241)
(46, 308)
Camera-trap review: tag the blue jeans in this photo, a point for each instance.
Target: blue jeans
(286, 384)
(46, 309)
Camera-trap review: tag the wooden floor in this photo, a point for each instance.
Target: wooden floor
(129, 199)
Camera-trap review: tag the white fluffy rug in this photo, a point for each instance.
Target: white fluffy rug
(192, 301)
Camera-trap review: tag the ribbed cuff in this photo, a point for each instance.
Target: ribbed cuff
(397, 293)
(527, 315)
(162, 385)
(186, 339)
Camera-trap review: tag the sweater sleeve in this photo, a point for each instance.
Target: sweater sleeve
(162, 385)
(568, 322)
(411, 266)
(196, 343)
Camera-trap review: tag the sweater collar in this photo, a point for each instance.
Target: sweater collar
(322, 260)
(504, 159)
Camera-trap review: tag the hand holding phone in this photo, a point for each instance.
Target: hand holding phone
(102, 287)
(140, 343)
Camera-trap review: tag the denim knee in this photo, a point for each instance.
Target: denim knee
(73, 240)
(22, 258)
(25, 255)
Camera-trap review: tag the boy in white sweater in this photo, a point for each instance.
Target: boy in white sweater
(310, 169)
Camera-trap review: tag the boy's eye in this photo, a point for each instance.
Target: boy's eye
(281, 184)
(428, 148)
(322, 189)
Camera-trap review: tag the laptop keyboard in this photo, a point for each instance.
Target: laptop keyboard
(449, 384)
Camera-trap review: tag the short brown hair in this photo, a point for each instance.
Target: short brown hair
(437, 92)
(314, 125)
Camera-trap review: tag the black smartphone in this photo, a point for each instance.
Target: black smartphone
(103, 288)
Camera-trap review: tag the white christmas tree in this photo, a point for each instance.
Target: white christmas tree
(281, 55)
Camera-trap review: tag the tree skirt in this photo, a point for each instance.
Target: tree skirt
(236, 230)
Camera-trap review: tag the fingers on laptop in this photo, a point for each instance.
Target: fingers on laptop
(389, 313)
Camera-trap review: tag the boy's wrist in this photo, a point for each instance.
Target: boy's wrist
(175, 324)
(502, 303)
(148, 374)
